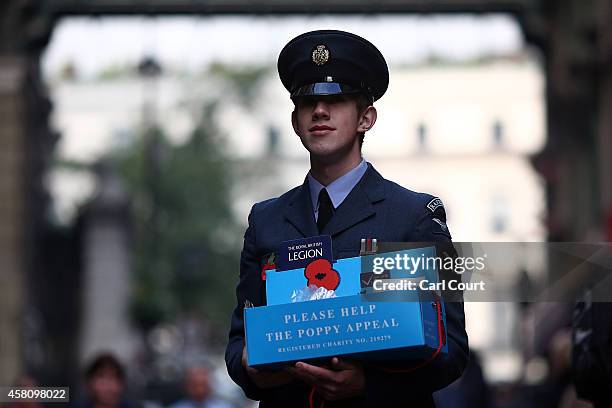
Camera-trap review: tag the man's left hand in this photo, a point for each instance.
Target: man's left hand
(343, 379)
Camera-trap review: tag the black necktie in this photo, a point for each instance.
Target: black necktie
(326, 209)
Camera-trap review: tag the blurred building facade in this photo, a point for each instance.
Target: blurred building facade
(456, 131)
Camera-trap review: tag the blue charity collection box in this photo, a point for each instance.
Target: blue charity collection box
(349, 316)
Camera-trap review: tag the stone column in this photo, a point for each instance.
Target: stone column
(106, 271)
(25, 147)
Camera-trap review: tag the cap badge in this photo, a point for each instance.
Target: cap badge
(320, 55)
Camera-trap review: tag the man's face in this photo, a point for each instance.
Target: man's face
(197, 384)
(327, 125)
(106, 387)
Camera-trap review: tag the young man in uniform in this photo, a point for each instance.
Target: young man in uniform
(333, 78)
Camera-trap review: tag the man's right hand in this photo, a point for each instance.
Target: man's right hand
(266, 379)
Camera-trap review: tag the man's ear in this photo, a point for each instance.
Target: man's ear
(294, 122)
(367, 119)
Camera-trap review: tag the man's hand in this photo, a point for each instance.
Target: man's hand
(266, 379)
(345, 378)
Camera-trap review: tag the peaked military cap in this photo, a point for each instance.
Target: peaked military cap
(332, 62)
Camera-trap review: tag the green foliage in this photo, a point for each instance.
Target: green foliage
(244, 79)
(186, 243)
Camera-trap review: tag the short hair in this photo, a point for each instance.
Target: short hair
(102, 361)
(363, 101)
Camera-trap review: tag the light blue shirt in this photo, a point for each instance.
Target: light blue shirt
(337, 189)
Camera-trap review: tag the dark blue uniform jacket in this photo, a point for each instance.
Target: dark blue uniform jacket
(375, 208)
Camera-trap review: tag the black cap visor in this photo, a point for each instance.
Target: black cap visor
(326, 88)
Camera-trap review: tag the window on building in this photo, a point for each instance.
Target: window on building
(422, 136)
(498, 134)
(499, 215)
(273, 139)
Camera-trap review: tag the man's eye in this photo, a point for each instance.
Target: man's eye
(337, 98)
(307, 102)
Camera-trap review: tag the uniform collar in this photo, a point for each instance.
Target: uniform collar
(358, 206)
(338, 189)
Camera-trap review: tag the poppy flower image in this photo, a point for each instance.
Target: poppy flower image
(321, 274)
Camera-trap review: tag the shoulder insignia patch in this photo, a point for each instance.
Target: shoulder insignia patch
(441, 224)
(434, 204)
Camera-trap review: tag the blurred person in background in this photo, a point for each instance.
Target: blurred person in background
(105, 381)
(591, 350)
(199, 391)
(555, 389)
